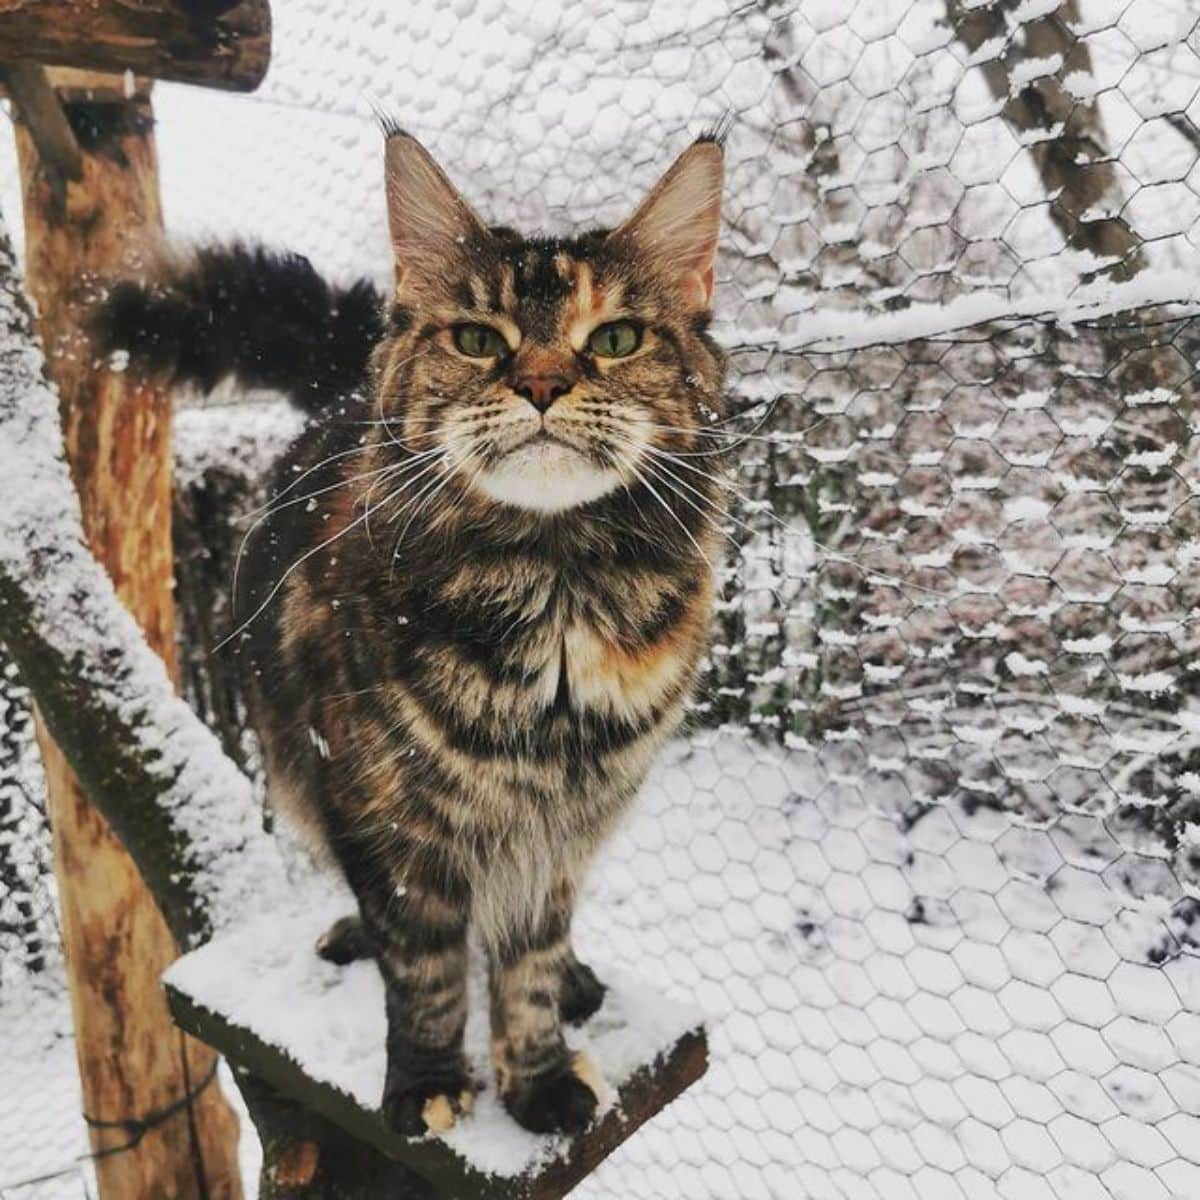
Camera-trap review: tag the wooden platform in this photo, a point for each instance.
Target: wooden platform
(316, 1033)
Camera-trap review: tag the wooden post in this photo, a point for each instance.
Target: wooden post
(216, 43)
(133, 1061)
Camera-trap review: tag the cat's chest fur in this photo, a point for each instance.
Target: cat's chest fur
(547, 645)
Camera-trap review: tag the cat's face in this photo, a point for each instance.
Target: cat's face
(547, 373)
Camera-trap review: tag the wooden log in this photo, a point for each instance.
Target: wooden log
(39, 111)
(133, 1062)
(213, 43)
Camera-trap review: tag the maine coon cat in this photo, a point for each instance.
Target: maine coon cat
(482, 596)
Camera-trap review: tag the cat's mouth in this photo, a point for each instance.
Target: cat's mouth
(545, 437)
(548, 473)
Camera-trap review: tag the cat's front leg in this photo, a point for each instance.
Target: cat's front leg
(420, 932)
(545, 1087)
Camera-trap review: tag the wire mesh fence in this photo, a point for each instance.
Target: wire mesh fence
(929, 853)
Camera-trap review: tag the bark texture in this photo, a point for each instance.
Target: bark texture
(216, 43)
(133, 1061)
(1070, 147)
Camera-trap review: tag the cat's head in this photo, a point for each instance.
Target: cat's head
(550, 372)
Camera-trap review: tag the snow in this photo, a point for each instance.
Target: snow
(247, 444)
(265, 977)
(828, 332)
(41, 1131)
(879, 1000)
(206, 801)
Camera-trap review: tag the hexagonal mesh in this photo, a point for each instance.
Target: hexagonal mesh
(930, 855)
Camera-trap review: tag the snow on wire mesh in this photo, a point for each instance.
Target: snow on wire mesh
(930, 855)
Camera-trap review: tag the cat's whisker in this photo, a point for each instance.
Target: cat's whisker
(412, 499)
(700, 430)
(309, 497)
(783, 439)
(277, 508)
(395, 368)
(329, 487)
(475, 412)
(362, 449)
(443, 460)
(674, 515)
(410, 471)
(428, 459)
(361, 519)
(424, 504)
(828, 551)
(715, 518)
(778, 438)
(287, 575)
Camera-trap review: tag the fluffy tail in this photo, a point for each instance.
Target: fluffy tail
(265, 317)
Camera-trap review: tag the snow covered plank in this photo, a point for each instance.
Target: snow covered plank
(315, 1031)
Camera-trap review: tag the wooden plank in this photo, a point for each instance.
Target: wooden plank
(212, 43)
(117, 435)
(315, 1033)
(648, 1091)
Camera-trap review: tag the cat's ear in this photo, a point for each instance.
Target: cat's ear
(430, 222)
(676, 226)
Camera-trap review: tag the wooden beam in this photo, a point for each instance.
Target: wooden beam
(117, 435)
(212, 43)
(425, 1168)
(259, 994)
(36, 106)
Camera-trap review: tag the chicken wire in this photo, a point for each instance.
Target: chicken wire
(929, 852)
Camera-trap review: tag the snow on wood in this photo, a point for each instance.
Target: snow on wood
(832, 331)
(244, 439)
(317, 1032)
(183, 809)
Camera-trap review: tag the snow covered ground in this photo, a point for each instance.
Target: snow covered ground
(976, 1006)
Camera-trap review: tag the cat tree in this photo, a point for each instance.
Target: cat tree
(149, 816)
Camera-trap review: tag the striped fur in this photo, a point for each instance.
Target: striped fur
(463, 669)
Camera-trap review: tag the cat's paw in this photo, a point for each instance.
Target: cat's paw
(430, 1107)
(582, 993)
(562, 1101)
(346, 941)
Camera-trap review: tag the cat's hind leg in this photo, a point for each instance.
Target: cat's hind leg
(346, 941)
(582, 993)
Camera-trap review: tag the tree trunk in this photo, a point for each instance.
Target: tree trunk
(215, 43)
(1072, 158)
(133, 1061)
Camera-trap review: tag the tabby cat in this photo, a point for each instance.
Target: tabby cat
(481, 598)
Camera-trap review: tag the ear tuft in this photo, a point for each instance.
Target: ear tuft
(388, 121)
(718, 132)
(429, 220)
(677, 225)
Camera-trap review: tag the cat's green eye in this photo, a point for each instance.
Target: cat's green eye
(479, 341)
(615, 340)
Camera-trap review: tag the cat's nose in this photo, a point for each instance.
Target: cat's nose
(541, 390)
